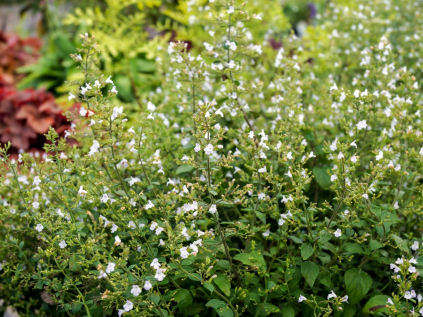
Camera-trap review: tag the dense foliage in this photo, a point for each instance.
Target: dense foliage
(266, 175)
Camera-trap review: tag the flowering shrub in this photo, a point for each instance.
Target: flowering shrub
(256, 182)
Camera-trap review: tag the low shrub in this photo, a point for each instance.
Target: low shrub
(256, 182)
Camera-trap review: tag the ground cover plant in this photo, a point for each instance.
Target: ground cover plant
(258, 180)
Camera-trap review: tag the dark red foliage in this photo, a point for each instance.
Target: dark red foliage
(16, 52)
(25, 117)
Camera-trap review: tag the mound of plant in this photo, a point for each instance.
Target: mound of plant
(255, 183)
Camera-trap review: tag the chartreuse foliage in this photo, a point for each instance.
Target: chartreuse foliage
(254, 182)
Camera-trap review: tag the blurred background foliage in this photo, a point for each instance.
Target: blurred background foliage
(133, 36)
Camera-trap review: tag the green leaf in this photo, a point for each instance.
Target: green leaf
(325, 236)
(310, 271)
(223, 283)
(358, 283)
(244, 258)
(288, 311)
(350, 310)
(321, 176)
(353, 248)
(401, 243)
(209, 286)
(374, 245)
(225, 312)
(306, 250)
(155, 299)
(184, 169)
(270, 309)
(375, 303)
(39, 284)
(215, 303)
(183, 297)
(76, 307)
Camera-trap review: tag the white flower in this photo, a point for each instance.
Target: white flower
(81, 191)
(334, 87)
(105, 198)
(110, 267)
(379, 156)
(361, 125)
(36, 204)
(136, 290)
(365, 196)
(340, 156)
(333, 178)
(230, 10)
(109, 80)
(331, 295)
(289, 156)
(311, 155)
(94, 148)
(353, 144)
(151, 106)
(301, 298)
(102, 275)
(266, 233)
(83, 112)
(209, 47)
(338, 233)
(263, 169)
(39, 227)
(71, 96)
(184, 252)
(114, 228)
(63, 244)
(197, 147)
(213, 209)
(78, 57)
(354, 159)
(149, 205)
(155, 264)
(128, 306)
(421, 151)
(333, 146)
(208, 149)
(412, 269)
(415, 246)
(133, 180)
(131, 130)
(147, 285)
(114, 90)
(160, 275)
(117, 240)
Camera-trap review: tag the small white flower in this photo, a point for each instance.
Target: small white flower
(149, 205)
(128, 306)
(151, 106)
(208, 149)
(102, 275)
(354, 159)
(415, 246)
(379, 156)
(39, 227)
(266, 233)
(110, 267)
(301, 298)
(136, 290)
(197, 147)
(263, 169)
(71, 96)
(361, 125)
(114, 90)
(213, 209)
(331, 295)
(333, 178)
(338, 233)
(147, 285)
(63, 244)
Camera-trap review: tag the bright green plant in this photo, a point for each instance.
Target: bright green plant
(254, 182)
